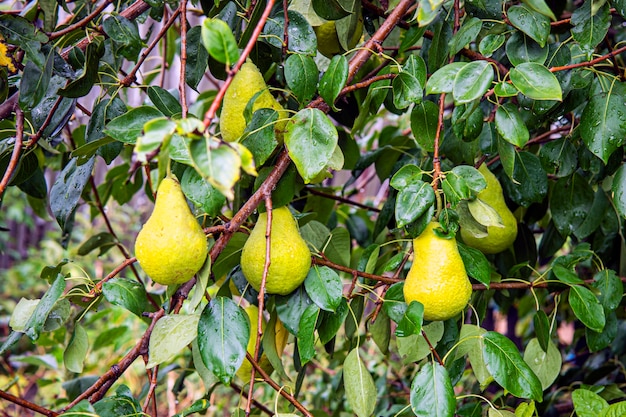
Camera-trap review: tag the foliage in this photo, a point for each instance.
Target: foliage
(101, 99)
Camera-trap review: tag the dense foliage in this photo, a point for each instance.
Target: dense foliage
(390, 108)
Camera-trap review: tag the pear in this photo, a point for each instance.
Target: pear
(244, 87)
(437, 278)
(290, 258)
(498, 238)
(280, 340)
(171, 246)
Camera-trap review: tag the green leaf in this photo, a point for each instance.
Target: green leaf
(125, 33)
(324, 287)
(566, 275)
(511, 126)
(467, 33)
(536, 82)
(406, 90)
(155, 133)
(491, 43)
(427, 11)
(164, 101)
(311, 139)
(76, 350)
(588, 403)
(337, 247)
(219, 41)
(411, 323)
(359, 385)
(67, 189)
(619, 190)
(472, 345)
(532, 23)
(126, 293)
(541, 7)
(170, 335)
(103, 241)
(570, 203)
(504, 89)
(334, 79)
(603, 123)
(259, 135)
(611, 288)
(223, 333)
(507, 367)
(463, 182)
(545, 364)
(331, 322)
(476, 264)
(394, 304)
(590, 28)
(122, 404)
(413, 201)
(531, 181)
(472, 81)
(432, 394)
(301, 74)
(414, 348)
(520, 48)
(81, 86)
(597, 341)
(329, 9)
(301, 35)
(381, 331)
(197, 58)
(442, 81)
(290, 308)
(586, 307)
(34, 82)
(424, 119)
(616, 410)
(219, 164)
(129, 126)
(201, 193)
(306, 333)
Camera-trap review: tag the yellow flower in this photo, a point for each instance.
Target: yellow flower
(5, 58)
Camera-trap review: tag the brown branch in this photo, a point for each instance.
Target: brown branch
(210, 114)
(257, 404)
(432, 349)
(27, 404)
(82, 23)
(436, 159)
(591, 63)
(97, 290)
(341, 199)
(326, 262)
(17, 150)
(132, 77)
(183, 57)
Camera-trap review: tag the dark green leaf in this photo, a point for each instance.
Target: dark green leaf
(559, 157)
(329, 9)
(590, 26)
(603, 123)
(442, 81)
(324, 287)
(466, 34)
(259, 135)
(570, 202)
(394, 304)
(532, 23)
(520, 48)
(122, 404)
(129, 126)
(34, 83)
(306, 333)
(82, 86)
(432, 394)
(125, 33)
(531, 182)
(472, 81)
(291, 307)
(511, 126)
(331, 322)
(586, 307)
(536, 82)
(507, 367)
(491, 43)
(411, 322)
(311, 139)
(611, 288)
(223, 333)
(126, 293)
(301, 35)
(334, 79)
(424, 119)
(476, 264)
(164, 101)
(201, 193)
(219, 41)
(103, 241)
(566, 275)
(197, 58)
(413, 201)
(66, 191)
(600, 340)
(542, 329)
(301, 74)
(406, 90)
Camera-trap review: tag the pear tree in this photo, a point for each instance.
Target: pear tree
(379, 208)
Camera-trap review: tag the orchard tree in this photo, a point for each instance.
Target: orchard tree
(433, 193)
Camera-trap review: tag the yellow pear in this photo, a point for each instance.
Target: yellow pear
(290, 258)
(245, 85)
(498, 238)
(437, 278)
(171, 247)
(280, 340)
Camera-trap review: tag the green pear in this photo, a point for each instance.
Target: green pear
(437, 277)
(171, 246)
(247, 84)
(499, 237)
(290, 258)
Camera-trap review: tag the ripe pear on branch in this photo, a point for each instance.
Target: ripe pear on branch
(171, 246)
(290, 258)
(499, 237)
(248, 84)
(437, 277)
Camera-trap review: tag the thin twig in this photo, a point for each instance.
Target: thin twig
(27, 404)
(82, 23)
(341, 199)
(183, 57)
(17, 150)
